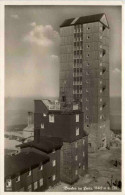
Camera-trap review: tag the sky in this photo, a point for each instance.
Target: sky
(32, 48)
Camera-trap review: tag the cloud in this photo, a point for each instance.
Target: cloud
(15, 16)
(33, 24)
(40, 35)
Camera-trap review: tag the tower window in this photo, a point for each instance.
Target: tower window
(83, 154)
(100, 116)
(83, 142)
(100, 99)
(101, 73)
(51, 118)
(63, 98)
(76, 157)
(76, 145)
(41, 182)
(42, 126)
(54, 163)
(77, 117)
(100, 82)
(100, 108)
(87, 116)
(77, 131)
(100, 90)
(54, 177)
(35, 185)
(76, 172)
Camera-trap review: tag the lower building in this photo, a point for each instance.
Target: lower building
(26, 171)
(49, 146)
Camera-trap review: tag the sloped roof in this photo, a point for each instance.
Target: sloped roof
(83, 20)
(22, 162)
(46, 144)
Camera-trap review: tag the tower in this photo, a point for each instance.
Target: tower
(84, 73)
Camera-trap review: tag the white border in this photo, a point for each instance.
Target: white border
(52, 2)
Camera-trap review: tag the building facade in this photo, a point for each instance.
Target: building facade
(66, 124)
(26, 171)
(37, 166)
(84, 73)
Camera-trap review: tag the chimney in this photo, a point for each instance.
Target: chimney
(30, 118)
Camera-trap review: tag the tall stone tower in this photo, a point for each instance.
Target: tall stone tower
(84, 73)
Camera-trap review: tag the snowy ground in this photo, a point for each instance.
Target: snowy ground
(101, 173)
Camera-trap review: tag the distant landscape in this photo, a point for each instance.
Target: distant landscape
(16, 110)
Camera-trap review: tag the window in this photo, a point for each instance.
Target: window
(41, 167)
(100, 82)
(100, 90)
(54, 177)
(76, 172)
(100, 46)
(87, 91)
(76, 145)
(100, 37)
(77, 117)
(101, 73)
(42, 126)
(100, 116)
(100, 108)
(83, 154)
(53, 151)
(8, 183)
(87, 99)
(41, 182)
(86, 108)
(87, 116)
(100, 64)
(35, 185)
(77, 131)
(44, 114)
(83, 167)
(29, 188)
(51, 118)
(83, 142)
(54, 163)
(18, 179)
(76, 157)
(29, 173)
(100, 99)
(100, 55)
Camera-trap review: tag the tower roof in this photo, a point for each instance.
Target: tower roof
(86, 19)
